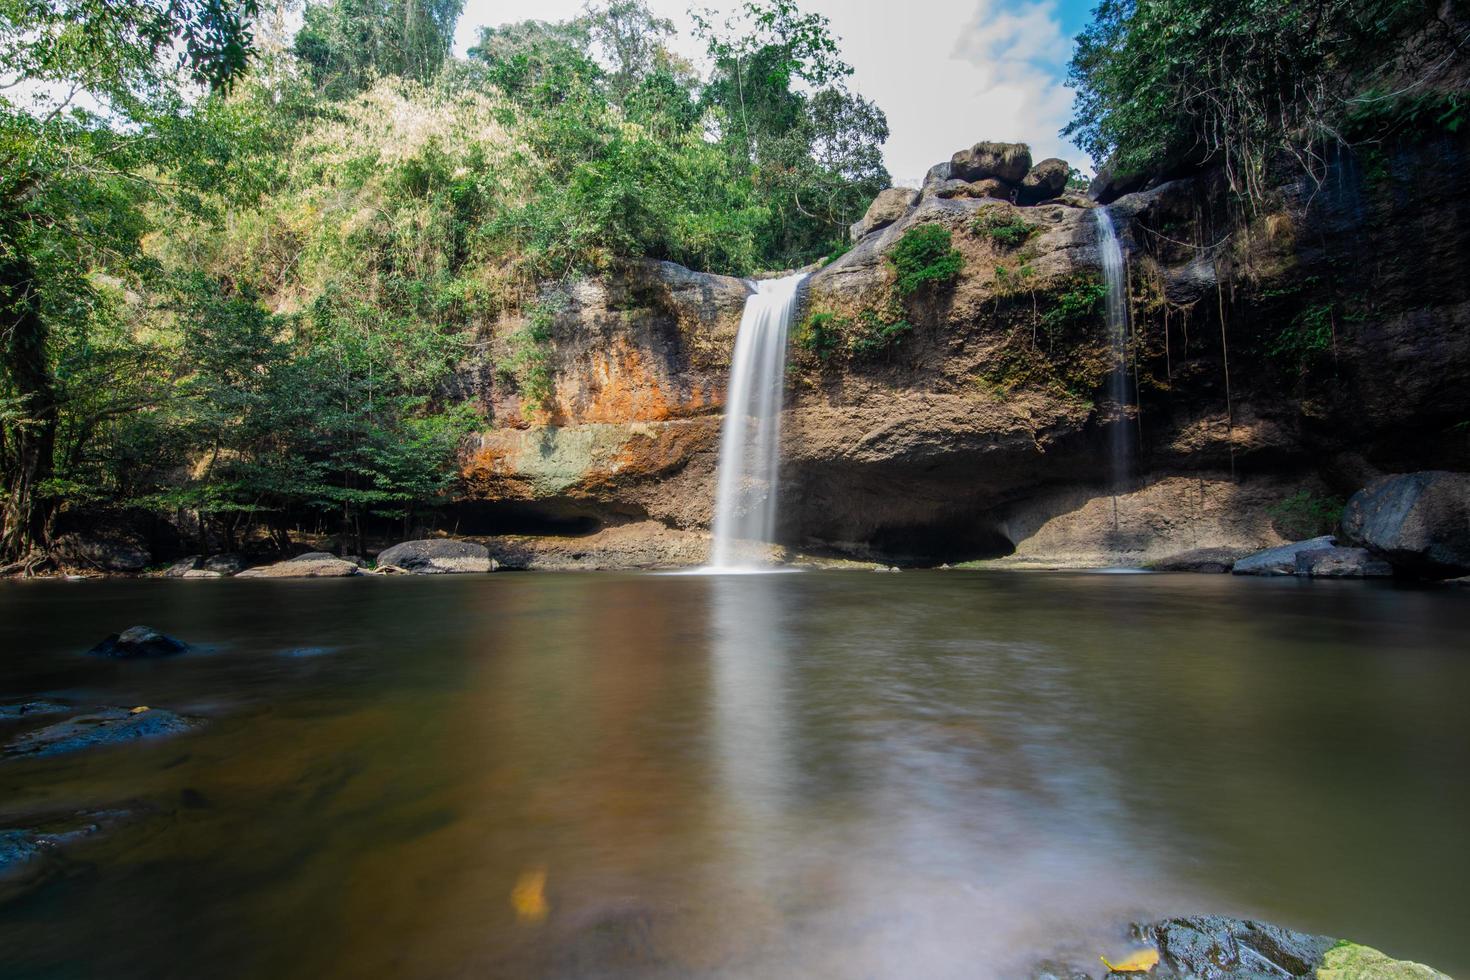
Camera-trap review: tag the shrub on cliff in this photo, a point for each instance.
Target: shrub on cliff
(925, 256)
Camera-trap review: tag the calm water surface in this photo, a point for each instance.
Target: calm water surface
(936, 774)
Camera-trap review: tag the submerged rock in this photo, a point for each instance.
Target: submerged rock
(1419, 522)
(304, 567)
(32, 709)
(137, 642)
(439, 556)
(26, 852)
(1280, 560)
(108, 726)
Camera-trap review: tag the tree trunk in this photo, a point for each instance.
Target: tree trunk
(30, 444)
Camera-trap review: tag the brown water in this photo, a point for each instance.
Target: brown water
(936, 774)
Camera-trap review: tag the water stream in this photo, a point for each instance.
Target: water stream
(750, 439)
(1115, 277)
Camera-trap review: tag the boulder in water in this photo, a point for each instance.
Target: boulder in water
(1280, 560)
(1218, 946)
(1009, 162)
(304, 567)
(438, 556)
(228, 564)
(138, 642)
(1419, 522)
(182, 567)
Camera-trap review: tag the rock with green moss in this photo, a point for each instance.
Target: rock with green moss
(1349, 961)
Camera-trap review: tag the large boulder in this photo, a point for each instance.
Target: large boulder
(1341, 563)
(104, 550)
(1420, 522)
(228, 564)
(297, 568)
(889, 206)
(138, 642)
(1349, 961)
(1043, 182)
(1009, 162)
(183, 567)
(108, 726)
(438, 556)
(1280, 560)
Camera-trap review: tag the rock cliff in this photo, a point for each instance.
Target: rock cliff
(1293, 352)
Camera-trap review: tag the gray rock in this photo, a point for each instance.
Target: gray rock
(1280, 560)
(108, 726)
(183, 565)
(1112, 183)
(1341, 563)
(303, 567)
(1043, 182)
(1210, 560)
(938, 175)
(1213, 946)
(32, 709)
(1419, 522)
(201, 573)
(1009, 162)
(107, 551)
(138, 642)
(438, 556)
(225, 564)
(25, 853)
(889, 206)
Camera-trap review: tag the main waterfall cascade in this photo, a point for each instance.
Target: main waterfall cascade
(1115, 277)
(750, 438)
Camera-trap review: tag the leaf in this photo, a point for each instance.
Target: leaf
(139, 709)
(1141, 961)
(528, 897)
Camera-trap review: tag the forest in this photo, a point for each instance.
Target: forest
(244, 262)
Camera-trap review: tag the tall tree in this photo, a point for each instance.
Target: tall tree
(71, 180)
(347, 44)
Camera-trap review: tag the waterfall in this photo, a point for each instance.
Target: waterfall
(750, 439)
(1115, 273)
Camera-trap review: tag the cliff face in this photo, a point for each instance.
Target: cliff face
(1306, 347)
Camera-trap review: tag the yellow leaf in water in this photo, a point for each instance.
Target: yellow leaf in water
(139, 709)
(529, 895)
(1140, 962)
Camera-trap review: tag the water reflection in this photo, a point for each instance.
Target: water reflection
(819, 775)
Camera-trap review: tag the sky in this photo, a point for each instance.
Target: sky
(948, 73)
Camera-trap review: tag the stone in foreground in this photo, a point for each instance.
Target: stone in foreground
(108, 726)
(1280, 560)
(438, 557)
(1216, 947)
(138, 642)
(304, 567)
(1419, 522)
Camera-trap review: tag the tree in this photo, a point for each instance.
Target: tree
(71, 184)
(346, 45)
(1162, 83)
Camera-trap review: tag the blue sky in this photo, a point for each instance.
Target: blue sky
(947, 72)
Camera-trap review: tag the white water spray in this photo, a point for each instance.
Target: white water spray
(750, 438)
(1115, 273)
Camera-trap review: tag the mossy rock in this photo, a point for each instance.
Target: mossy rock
(1349, 961)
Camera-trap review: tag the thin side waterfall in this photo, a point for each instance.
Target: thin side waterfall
(1115, 273)
(750, 439)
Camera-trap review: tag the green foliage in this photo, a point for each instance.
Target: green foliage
(530, 360)
(821, 334)
(925, 256)
(1007, 230)
(1080, 304)
(1307, 515)
(347, 45)
(1376, 114)
(1161, 82)
(878, 333)
(1309, 334)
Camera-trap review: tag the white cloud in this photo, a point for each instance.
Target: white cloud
(947, 72)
